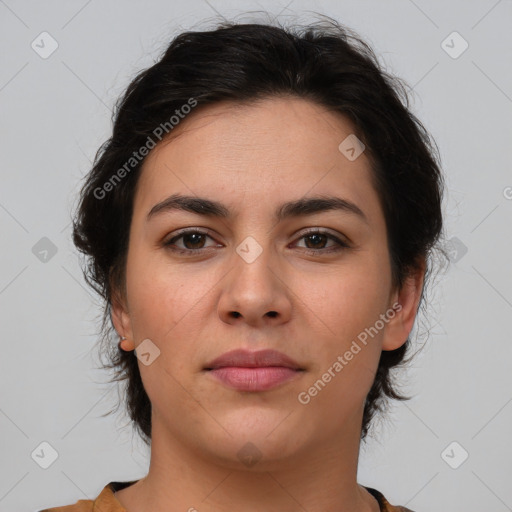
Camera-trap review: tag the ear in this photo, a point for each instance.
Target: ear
(404, 302)
(121, 319)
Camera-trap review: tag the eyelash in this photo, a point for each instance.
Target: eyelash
(312, 252)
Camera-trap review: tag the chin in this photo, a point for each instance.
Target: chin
(258, 441)
(257, 455)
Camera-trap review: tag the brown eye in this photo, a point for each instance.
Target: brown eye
(316, 240)
(192, 241)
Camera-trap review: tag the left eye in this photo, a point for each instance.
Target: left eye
(319, 237)
(195, 239)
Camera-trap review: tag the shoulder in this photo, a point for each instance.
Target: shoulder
(384, 504)
(105, 502)
(79, 506)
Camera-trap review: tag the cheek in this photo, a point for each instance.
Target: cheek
(165, 298)
(342, 306)
(345, 361)
(345, 300)
(165, 304)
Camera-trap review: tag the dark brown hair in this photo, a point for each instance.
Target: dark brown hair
(323, 62)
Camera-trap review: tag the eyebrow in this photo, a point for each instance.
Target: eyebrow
(303, 206)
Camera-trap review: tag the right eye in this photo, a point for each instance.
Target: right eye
(192, 237)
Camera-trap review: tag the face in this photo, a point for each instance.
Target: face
(252, 280)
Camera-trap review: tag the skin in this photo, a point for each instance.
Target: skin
(252, 158)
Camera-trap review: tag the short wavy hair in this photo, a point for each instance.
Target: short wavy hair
(323, 62)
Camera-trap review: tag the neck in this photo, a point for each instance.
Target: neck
(186, 478)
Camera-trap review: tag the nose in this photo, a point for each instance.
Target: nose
(255, 293)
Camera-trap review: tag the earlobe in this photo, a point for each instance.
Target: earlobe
(405, 304)
(121, 321)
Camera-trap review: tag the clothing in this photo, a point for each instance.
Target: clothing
(107, 502)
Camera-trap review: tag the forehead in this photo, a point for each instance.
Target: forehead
(274, 148)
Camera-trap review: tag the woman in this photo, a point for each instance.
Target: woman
(260, 226)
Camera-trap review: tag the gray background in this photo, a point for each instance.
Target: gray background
(55, 114)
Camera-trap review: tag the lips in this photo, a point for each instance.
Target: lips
(247, 371)
(247, 359)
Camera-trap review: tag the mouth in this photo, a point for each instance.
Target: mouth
(254, 371)
(248, 359)
(254, 379)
